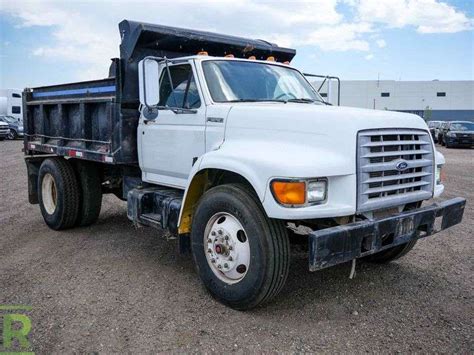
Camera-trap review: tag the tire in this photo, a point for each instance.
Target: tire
(58, 193)
(12, 135)
(268, 259)
(90, 193)
(397, 252)
(391, 254)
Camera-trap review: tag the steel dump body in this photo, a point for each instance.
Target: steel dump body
(97, 120)
(84, 120)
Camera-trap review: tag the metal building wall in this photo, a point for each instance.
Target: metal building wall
(419, 97)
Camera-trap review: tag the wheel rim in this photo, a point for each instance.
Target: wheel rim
(49, 193)
(227, 248)
(11, 135)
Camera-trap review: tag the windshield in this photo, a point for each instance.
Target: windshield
(231, 81)
(462, 126)
(9, 119)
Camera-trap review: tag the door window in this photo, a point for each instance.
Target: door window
(185, 93)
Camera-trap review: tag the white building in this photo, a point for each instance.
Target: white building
(433, 100)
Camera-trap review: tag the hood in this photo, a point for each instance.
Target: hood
(331, 124)
(306, 134)
(319, 119)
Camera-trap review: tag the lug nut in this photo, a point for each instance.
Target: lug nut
(226, 265)
(213, 233)
(226, 237)
(209, 240)
(209, 250)
(219, 266)
(231, 258)
(213, 261)
(230, 247)
(220, 232)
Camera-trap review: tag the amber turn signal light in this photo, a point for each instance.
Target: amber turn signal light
(289, 192)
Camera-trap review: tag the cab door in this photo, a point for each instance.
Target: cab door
(171, 144)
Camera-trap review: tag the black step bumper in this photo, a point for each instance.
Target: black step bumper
(335, 245)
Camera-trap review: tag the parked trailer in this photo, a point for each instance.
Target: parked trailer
(220, 141)
(10, 104)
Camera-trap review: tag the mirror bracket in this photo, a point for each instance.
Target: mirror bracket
(150, 113)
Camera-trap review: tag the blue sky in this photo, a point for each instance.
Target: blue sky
(48, 42)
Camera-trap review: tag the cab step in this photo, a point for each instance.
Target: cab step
(155, 207)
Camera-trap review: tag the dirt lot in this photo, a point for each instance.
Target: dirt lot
(112, 288)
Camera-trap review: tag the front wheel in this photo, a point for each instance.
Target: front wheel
(12, 135)
(241, 255)
(391, 254)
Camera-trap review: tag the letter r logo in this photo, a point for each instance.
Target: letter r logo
(20, 334)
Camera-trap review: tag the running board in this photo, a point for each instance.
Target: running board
(155, 207)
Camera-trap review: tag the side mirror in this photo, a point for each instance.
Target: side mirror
(149, 86)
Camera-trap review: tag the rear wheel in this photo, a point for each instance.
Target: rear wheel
(58, 193)
(241, 255)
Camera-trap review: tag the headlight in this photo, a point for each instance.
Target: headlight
(316, 191)
(298, 193)
(439, 174)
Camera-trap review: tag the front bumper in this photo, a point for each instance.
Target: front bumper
(468, 142)
(335, 245)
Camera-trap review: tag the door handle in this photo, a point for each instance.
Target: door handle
(215, 119)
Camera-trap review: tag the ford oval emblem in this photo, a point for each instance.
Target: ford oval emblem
(402, 165)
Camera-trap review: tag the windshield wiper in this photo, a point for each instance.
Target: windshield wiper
(303, 99)
(307, 100)
(177, 110)
(257, 100)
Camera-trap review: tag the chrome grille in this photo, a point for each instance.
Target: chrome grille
(380, 183)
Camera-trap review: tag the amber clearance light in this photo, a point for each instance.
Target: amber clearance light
(289, 192)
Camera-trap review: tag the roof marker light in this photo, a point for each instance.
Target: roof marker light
(271, 59)
(202, 53)
(252, 57)
(229, 56)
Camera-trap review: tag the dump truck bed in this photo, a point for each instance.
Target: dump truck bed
(84, 120)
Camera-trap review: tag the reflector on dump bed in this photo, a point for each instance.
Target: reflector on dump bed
(141, 39)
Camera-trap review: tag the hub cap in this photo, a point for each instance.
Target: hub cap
(48, 193)
(227, 248)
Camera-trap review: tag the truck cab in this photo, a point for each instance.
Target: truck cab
(220, 141)
(264, 121)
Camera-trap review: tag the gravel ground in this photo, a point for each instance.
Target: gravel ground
(113, 288)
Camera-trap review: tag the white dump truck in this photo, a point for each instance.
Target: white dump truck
(219, 140)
